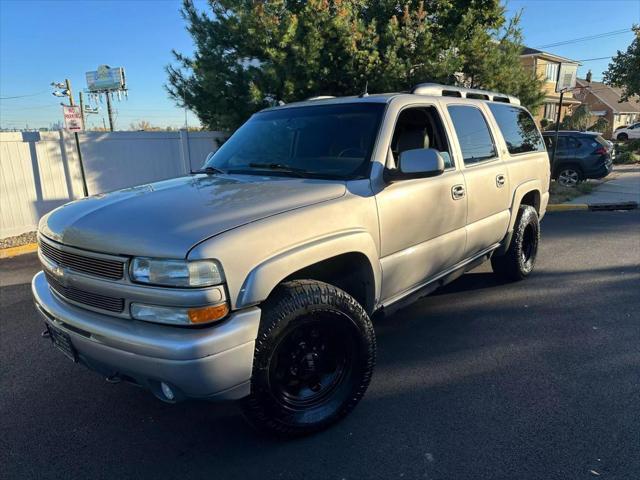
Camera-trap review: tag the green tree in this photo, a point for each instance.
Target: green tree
(578, 120)
(624, 69)
(600, 125)
(251, 54)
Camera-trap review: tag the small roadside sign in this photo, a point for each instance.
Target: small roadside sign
(72, 118)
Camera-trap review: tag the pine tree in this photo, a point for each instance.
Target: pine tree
(251, 54)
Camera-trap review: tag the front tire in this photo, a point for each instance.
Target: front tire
(518, 261)
(623, 137)
(314, 358)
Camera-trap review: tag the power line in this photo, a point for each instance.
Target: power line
(594, 59)
(23, 96)
(584, 39)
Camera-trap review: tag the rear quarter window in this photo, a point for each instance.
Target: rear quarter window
(518, 129)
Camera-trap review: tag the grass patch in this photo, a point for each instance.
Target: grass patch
(560, 194)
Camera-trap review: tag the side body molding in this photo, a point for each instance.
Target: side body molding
(266, 276)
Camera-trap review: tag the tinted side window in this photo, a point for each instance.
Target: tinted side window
(518, 129)
(473, 134)
(420, 127)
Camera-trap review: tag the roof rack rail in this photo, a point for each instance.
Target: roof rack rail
(319, 97)
(439, 90)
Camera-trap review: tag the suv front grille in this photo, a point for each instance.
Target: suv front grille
(112, 269)
(94, 300)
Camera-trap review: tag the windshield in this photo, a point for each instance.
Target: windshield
(330, 141)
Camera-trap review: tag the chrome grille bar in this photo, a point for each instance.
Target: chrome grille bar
(91, 299)
(111, 269)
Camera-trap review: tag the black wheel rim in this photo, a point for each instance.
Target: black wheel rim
(311, 360)
(529, 244)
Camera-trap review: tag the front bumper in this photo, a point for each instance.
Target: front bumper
(210, 363)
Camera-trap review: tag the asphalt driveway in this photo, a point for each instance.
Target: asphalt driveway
(538, 379)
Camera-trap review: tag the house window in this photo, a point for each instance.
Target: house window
(551, 111)
(551, 72)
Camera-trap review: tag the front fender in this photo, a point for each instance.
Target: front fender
(267, 275)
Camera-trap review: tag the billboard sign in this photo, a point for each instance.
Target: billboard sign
(566, 77)
(72, 119)
(106, 78)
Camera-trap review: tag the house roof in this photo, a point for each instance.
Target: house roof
(533, 52)
(611, 96)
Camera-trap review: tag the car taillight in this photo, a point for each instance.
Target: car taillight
(601, 151)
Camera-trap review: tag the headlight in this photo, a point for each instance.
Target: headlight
(176, 273)
(178, 315)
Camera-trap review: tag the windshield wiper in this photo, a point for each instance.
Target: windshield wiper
(287, 170)
(279, 166)
(209, 170)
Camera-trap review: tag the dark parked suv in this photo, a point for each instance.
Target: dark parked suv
(580, 155)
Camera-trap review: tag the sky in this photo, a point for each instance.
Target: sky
(49, 40)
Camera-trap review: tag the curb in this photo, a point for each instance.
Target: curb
(594, 207)
(567, 207)
(21, 250)
(598, 207)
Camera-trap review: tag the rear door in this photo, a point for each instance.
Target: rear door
(566, 151)
(485, 175)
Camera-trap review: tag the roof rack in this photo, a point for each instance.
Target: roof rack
(319, 97)
(438, 90)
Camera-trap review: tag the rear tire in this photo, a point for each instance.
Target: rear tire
(313, 361)
(518, 261)
(623, 137)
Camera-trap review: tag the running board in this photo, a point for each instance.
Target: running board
(447, 276)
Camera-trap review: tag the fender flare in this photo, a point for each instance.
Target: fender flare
(518, 194)
(263, 278)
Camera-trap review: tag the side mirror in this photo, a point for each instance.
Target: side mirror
(418, 163)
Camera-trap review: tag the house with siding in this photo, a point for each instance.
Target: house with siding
(604, 101)
(545, 65)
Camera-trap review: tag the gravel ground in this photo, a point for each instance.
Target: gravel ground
(25, 238)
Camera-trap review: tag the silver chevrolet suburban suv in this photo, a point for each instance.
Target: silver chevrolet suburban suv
(256, 278)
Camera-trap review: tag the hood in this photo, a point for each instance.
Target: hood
(166, 219)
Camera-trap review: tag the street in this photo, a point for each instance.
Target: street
(481, 380)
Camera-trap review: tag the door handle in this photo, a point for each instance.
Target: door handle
(457, 192)
(500, 181)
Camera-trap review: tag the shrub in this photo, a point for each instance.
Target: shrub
(626, 157)
(633, 145)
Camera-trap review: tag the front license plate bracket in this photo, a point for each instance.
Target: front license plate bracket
(62, 341)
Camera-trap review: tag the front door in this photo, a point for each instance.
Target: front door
(422, 221)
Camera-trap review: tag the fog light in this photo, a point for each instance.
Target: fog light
(166, 391)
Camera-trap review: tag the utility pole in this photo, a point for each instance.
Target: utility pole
(109, 111)
(555, 141)
(82, 109)
(75, 134)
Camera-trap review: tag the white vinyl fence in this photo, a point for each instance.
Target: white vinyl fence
(40, 170)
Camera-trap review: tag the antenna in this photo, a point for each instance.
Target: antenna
(366, 87)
